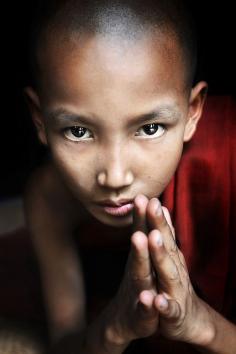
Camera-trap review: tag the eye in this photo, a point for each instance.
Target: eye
(154, 130)
(76, 133)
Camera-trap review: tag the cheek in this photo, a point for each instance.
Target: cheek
(75, 168)
(163, 164)
(171, 162)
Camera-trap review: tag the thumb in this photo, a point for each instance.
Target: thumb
(145, 304)
(168, 308)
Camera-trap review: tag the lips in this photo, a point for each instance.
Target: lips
(120, 207)
(113, 203)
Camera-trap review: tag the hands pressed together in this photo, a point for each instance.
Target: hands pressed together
(156, 294)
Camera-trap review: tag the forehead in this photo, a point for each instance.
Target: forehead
(95, 66)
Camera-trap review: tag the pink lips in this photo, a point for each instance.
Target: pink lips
(119, 207)
(118, 210)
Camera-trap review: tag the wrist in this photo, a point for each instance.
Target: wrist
(112, 341)
(204, 330)
(221, 337)
(113, 336)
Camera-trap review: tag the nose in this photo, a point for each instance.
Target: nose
(116, 172)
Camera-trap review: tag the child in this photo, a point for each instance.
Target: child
(113, 99)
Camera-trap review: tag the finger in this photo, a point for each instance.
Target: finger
(169, 221)
(168, 308)
(139, 213)
(139, 263)
(180, 255)
(156, 220)
(166, 269)
(145, 304)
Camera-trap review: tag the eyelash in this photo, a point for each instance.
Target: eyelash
(72, 137)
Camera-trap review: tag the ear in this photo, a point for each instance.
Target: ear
(33, 104)
(196, 103)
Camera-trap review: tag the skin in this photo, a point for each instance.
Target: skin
(110, 85)
(169, 304)
(98, 79)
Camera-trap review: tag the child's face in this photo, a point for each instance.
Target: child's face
(107, 89)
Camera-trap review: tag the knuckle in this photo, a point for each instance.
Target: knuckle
(182, 259)
(174, 276)
(173, 315)
(174, 248)
(136, 278)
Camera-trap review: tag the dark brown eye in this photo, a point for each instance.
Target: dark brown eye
(77, 133)
(153, 130)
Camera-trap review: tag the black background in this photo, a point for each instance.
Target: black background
(19, 149)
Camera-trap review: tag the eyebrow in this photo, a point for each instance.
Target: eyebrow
(166, 112)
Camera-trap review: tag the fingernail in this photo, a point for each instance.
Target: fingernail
(163, 303)
(159, 239)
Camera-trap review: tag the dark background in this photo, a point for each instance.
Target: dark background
(19, 149)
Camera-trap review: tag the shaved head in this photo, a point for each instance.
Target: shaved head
(121, 21)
